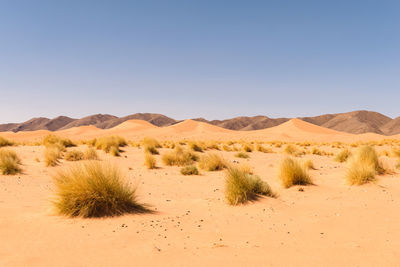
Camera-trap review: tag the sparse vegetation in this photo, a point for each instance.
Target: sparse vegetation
(90, 154)
(241, 186)
(247, 147)
(110, 144)
(242, 155)
(61, 143)
(195, 147)
(179, 157)
(5, 142)
(263, 149)
(343, 155)
(9, 162)
(293, 173)
(363, 166)
(149, 160)
(212, 162)
(91, 189)
(52, 154)
(150, 145)
(309, 164)
(73, 155)
(190, 170)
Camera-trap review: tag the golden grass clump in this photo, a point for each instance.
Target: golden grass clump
(93, 189)
(150, 161)
(241, 186)
(9, 162)
(190, 170)
(5, 142)
(363, 166)
(242, 155)
(293, 173)
(90, 154)
(179, 157)
(74, 155)
(226, 148)
(212, 162)
(150, 145)
(309, 164)
(247, 147)
(195, 147)
(110, 144)
(263, 149)
(53, 140)
(51, 156)
(343, 155)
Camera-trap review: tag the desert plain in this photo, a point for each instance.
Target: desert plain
(189, 222)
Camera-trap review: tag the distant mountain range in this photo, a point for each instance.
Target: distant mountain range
(355, 122)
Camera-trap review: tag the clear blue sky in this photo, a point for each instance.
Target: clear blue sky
(212, 59)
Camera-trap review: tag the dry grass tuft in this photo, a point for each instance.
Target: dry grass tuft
(195, 147)
(212, 162)
(363, 166)
(242, 155)
(51, 155)
(293, 173)
(247, 147)
(9, 162)
(150, 161)
(241, 186)
(309, 164)
(74, 155)
(90, 154)
(61, 143)
(263, 149)
(93, 189)
(343, 155)
(110, 144)
(179, 157)
(150, 145)
(190, 170)
(5, 142)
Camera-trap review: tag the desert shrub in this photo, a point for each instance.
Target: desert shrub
(247, 147)
(53, 140)
(195, 147)
(343, 155)
(73, 155)
(9, 162)
(293, 173)
(242, 155)
(179, 157)
(309, 164)
(52, 154)
(93, 189)
(212, 145)
(226, 148)
(316, 151)
(241, 186)
(90, 154)
(263, 149)
(291, 150)
(110, 144)
(212, 162)
(5, 142)
(150, 145)
(190, 170)
(363, 166)
(149, 160)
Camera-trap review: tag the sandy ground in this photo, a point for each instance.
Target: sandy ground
(328, 224)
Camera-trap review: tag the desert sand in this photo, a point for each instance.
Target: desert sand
(326, 224)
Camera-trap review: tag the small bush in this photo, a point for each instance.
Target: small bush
(179, 157)
(242, 155)
(51, 156)
(110, 144)
(309, 164)
(150, 145)
(91, 189)
(149, 160)
(9, 162)
(292, 150)
(53, 140)
(293, 173)
(212, 162)
(263, 149)
(241, 186)
(195, 147)
(247, 147)
(190, 170)
(5, 142)
(90, 154)
(343, 155)
(73, 155)
(363, 166)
